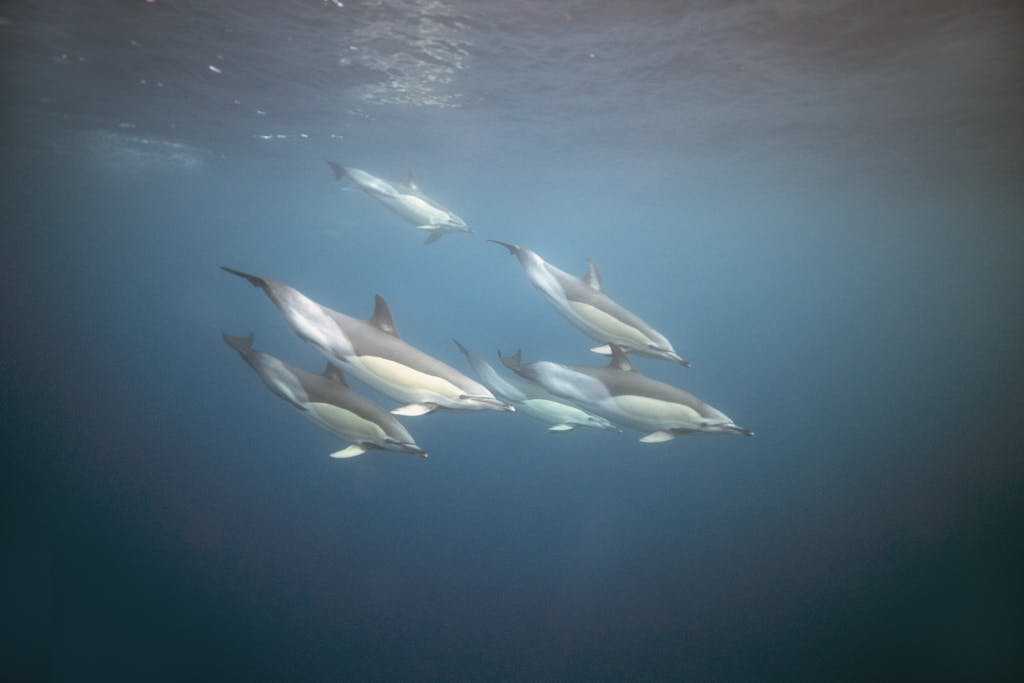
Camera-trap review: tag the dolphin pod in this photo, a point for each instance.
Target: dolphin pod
(406, 200)
(327, 401)
(534, 400)
(627, 397)
(566, 397)
(584, 303)
(372, 351)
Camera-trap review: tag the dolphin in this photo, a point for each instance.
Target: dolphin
(533, 399)
(627, 397)
(406, 200)
(372, 351)
(584, 303)
(327, 401)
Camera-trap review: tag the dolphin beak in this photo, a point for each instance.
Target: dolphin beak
(677, 358)
(739, 430)
(672, 355)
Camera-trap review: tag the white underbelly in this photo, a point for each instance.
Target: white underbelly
(406, 384)
(415, 210)
(655, 413)
(344, 423)
(554, 412)
(606, 328)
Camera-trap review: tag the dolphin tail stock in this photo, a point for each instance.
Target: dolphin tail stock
(513, 362)
(339, 170)
(470, 356)
(462, 348)
(240, 344)
(512, 248)
(254, 280)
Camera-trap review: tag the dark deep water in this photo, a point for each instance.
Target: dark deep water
(821, 207)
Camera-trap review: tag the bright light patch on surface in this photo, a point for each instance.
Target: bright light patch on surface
(422, 70)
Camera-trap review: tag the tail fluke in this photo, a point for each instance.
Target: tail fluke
(240, 344)
(512, 248)
(254, 280)
(339, 170)
(513, 362)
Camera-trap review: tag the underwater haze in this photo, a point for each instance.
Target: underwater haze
(819, 204)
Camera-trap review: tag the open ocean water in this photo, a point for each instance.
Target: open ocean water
(821, 205)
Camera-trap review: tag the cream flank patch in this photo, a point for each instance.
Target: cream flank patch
(654, 410)
(422, 207)
(611, 329)
(344, 423)
(555, 411)
(412, 385)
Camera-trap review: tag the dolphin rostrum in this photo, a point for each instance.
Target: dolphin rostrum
(584, 303)
(406, 200)
(627, 397)
(533, 399)
(372, 351)
(327, 401)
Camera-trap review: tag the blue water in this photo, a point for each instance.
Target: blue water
(820, 206)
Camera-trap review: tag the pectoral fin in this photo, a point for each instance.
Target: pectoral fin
(350, 452)
(605, 350)
(657, 437)
(433, 237)
(415, 409)
(560, 428)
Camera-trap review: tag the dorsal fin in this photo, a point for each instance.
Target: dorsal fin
(410, 182)
(332, 373)
(619, 359)
(593, 277)
(381, 318)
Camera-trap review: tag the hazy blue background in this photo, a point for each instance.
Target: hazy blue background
(820, 206)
